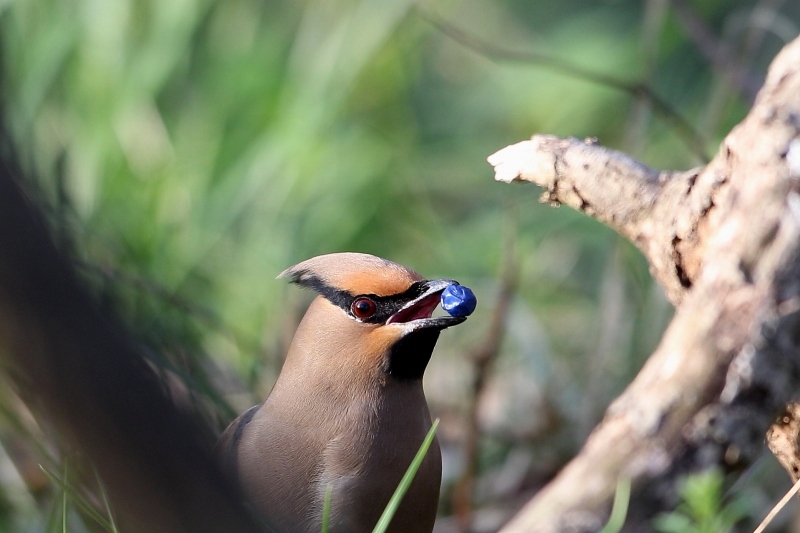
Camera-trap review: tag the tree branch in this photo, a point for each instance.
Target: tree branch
(629, 197)
(724, 241)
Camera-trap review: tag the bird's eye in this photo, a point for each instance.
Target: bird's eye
(363, 308)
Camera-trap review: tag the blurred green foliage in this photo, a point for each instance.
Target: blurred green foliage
(703, 509)
(188, 151)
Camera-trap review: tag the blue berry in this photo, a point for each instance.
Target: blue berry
(458, 300)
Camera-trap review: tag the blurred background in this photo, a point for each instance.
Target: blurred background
(188, 151)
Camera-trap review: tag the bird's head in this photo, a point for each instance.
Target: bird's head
(371, 312)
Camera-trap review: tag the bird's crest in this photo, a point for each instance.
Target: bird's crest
(353, 273)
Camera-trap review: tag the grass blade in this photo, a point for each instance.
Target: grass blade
(778, 506)
(326, 508)
(86, 508)
(106, 504)
(402, 488)
(620, 508)
(64, 502)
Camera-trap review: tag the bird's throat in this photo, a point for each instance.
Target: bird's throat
(409, 356)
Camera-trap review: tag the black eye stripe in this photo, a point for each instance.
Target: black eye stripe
(385, 306)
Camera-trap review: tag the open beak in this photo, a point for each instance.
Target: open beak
(416, 314)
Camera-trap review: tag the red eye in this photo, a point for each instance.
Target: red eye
(363, 308)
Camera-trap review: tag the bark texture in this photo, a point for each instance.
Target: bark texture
(724, 242)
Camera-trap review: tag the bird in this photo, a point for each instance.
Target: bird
(347, 413)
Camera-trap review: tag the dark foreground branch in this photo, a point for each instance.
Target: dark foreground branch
(724, 241)
(77, 370)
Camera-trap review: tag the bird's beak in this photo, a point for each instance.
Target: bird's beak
(416, 314)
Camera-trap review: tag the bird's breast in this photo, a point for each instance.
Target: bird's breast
(364, 469)
(359, 445)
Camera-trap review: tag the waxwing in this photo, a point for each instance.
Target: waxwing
(347, 411)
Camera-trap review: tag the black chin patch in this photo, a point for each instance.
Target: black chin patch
(410, 355)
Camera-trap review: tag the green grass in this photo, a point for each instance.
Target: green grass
(619, 510)
(402, 488)
(88, 510)
(704, 507)
(326, 508)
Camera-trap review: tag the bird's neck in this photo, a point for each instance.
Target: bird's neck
(334, 353)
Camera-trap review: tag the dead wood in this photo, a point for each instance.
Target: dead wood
(724, 242)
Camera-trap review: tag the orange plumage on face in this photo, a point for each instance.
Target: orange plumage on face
(382, 308)
(355, 273)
